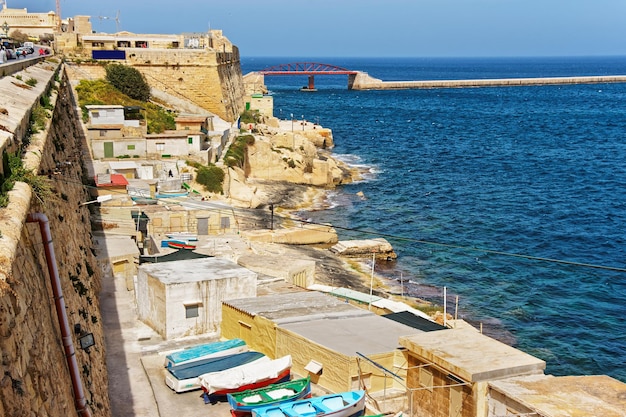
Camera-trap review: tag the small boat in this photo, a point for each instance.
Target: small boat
(171, 194)
(184, 236)
(205, 351)
(343, 404)
(179, 244)
(250, 376)
(243, 402)
(186, 377)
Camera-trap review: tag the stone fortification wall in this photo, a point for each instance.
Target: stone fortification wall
(34, 375)
(210, 79)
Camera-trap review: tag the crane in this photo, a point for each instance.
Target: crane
(58, 11)
(117, 20)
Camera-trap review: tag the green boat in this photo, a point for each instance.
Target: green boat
(243, 402)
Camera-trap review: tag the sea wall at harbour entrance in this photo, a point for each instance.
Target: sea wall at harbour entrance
(363, 81)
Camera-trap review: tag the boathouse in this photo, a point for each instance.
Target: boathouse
(184, 298)
(451, 370)
(342, 347)
(547, 395)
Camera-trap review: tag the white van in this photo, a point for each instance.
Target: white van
(29, 45)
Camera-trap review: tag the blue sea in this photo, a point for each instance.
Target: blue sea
(481, 190)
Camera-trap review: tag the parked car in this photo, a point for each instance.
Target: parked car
(23, 51)
(10, 53)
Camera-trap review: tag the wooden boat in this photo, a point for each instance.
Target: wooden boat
(343, 404)
(250, 376)
(243, 402)
(186, 377)
(179, 244)
(205, 351)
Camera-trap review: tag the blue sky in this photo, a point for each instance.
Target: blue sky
(368, 28)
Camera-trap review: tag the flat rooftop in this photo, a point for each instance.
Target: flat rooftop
(367, 335)
(547, 395)
(472, 355)
(296, 307)
(195, 270)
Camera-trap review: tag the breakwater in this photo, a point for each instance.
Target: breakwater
(363, 81)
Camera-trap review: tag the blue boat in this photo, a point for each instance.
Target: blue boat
(205, 351)
(185, 377)
(242, 403)
(343, 404)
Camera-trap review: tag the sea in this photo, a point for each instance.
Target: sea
(506, 203)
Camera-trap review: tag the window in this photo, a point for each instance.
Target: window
(160, 146)
(130, 147)
(192, 310)
(426, 379)
(103, 133)
(190, 140)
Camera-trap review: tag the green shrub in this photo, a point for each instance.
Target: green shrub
(250, 116)
(235, 155)
(211, 178)
(32, 82)
(128, 80)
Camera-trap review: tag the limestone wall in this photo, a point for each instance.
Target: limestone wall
(210, 79)
(34, 376)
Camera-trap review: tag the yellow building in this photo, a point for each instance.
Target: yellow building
(31, 24)
(340, 346)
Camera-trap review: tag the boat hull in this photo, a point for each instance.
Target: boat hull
(243, 402)
(189, 379)
(246, 377)
(343, 404)
(205, 351)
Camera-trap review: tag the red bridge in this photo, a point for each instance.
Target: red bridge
(307, 68)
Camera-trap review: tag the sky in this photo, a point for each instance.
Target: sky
(369, 28)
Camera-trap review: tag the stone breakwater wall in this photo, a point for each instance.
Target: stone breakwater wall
(362, 81)
(210, 79)
(34, 375)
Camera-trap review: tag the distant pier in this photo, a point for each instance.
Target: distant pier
(362, 81)
(358, 80)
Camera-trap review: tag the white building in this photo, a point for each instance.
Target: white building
(184, 298)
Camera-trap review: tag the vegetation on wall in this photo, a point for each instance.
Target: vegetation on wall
(250, 116)
(103, 92)
(14, 171)
(236, 154)
(129, 81)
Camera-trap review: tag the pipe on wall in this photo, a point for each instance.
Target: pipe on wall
(70, 354)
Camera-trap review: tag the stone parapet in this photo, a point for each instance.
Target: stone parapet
(34, 376)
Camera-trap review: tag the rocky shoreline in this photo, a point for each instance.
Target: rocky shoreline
(293, 194)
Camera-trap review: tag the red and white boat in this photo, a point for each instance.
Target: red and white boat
(244, 377)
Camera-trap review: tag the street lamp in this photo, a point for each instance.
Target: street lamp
(303, 122)
(6, 28)
(291, 122)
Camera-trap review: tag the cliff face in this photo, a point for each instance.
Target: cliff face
(34, 376)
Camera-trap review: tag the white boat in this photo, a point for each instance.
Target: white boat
(187, 236)
(193, 383)
(249, 376)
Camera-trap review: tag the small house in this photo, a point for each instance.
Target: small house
(449, 371)
(184, 298)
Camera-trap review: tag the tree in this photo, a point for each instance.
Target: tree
(129, 81)
(19, 36)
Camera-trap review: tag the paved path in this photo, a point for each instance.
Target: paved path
(136, 372)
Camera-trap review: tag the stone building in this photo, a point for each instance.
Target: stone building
(449, 371)
(565, 396)
(340, 346)
(184, 298)
(32, 24)
(112, 134)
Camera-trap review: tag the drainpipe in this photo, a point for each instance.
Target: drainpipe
(68, 345)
